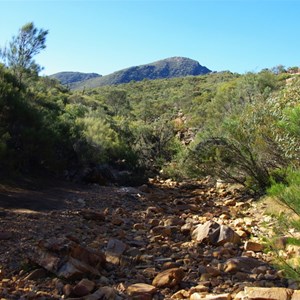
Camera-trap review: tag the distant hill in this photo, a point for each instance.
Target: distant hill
(166, 68)
(69, 78)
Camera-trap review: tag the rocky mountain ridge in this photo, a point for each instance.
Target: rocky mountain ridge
(164, 240)
(166, 68)
(67, 78)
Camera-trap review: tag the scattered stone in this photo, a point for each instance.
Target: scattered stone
(146, 238)
(253, 246)
(181, 294)
(153, 222)
(255, 293)
(161, 230)
(140, 289)
(168, 278)
(199, 289)
(105, 293)
(197, 296)
(230, 202)
(242, 263)
(68, 290)
(117, 220)
(115, 249)
(139, 226)
(186, 228)
(83, 287)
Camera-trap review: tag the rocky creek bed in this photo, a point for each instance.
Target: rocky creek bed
(164, 240)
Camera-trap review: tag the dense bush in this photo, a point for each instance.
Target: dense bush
(246, 136)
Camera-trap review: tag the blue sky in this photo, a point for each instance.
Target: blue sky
(106, 36)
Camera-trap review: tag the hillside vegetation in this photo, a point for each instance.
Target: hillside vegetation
(237, 127)
(243, 128)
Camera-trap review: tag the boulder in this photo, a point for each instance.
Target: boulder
(242, 263)
(68, 259)
(215, 234)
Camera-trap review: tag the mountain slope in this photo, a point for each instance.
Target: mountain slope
(166, 68)
(72, 77)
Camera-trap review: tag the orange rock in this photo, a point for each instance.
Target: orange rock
(168, 278)
(253, 293)
(141, 289)
(253, 246)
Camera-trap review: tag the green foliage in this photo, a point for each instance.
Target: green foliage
(154, 143)
(288, 193)
(19, 55)
(249, 130)
(238, 127)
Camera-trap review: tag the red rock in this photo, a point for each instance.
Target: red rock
(105, 292)
(215, 234)
(252, 246)
(168, 278)
(139, 289)
(115, 249)
(67, 290)
(161, 230)
(254, 293)
(242, 263)
(68, 259)
(83, 288)
(181, 294)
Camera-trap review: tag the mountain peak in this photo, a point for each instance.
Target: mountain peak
(171, 67)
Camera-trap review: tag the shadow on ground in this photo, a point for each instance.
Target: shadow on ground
(38, 195)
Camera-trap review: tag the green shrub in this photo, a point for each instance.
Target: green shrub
(287, 191)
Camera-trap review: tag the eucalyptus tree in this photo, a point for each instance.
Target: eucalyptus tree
(21, 50)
